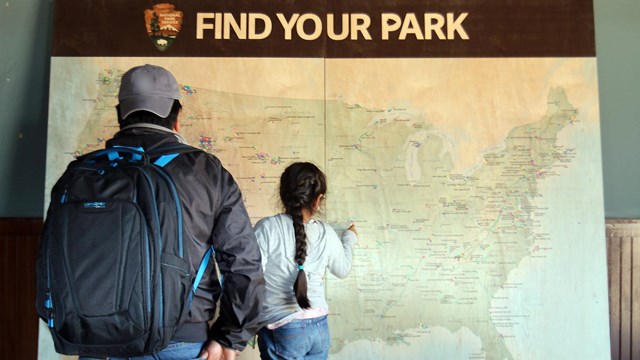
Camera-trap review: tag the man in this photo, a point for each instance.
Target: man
(213, 212)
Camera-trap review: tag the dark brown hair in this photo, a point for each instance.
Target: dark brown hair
(143, 116)
(300, 185)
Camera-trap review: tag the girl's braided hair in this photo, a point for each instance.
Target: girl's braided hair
(300, 185)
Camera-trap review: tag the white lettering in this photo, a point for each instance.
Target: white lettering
(309, 26)
(433, 23)
(239, 29)
(253, 18)
(201, 26)
(455, 25)
(390, 23)
(360, 24)
(287, 25)
(331, 31)
(317, 23)
(410, 26)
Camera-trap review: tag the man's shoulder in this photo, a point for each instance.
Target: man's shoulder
(194, 153)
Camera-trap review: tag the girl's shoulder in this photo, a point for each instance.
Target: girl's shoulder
(273, 219)
(323, 230)
(273, 223)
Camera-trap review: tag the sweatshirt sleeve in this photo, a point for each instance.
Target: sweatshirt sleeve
(342, 253)
(262, 234)
(239, 260)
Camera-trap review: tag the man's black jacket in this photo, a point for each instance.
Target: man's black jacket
(214, 213)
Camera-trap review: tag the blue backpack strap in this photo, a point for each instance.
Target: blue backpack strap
(167, 153)
(165, 159)
(113, 154)
(199, 274)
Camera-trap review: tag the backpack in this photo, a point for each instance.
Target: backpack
(113, 274)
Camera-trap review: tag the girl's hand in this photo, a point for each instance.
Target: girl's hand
(353, 229)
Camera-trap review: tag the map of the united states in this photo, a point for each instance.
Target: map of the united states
(448, 235)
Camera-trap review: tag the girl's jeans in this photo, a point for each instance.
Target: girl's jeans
(306, 339)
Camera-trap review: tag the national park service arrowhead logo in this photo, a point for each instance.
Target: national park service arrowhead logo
(163, 23)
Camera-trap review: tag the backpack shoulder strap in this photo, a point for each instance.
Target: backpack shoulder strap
(163, 155)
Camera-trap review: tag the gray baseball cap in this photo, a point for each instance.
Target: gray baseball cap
(150, 88)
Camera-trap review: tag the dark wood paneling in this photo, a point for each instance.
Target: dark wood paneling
(19, 240)
(623, 252)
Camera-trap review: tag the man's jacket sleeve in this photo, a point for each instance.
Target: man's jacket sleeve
(238, 257)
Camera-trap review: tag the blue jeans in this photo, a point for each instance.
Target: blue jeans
(306, 339)
(175, 351)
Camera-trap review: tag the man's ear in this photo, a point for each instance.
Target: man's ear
(118, 115)
(176, 125)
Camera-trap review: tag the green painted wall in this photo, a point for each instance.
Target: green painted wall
(618, 52)
(25, 33)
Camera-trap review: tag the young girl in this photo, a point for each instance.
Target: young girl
(296, 250)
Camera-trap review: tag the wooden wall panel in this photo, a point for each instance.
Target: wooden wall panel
(614, 254)
(19, 240)
(634, 301)
(623, 253)
(625, 298)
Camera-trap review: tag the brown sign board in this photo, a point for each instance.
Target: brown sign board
(329, 29)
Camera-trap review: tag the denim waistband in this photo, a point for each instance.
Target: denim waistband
(305, 322)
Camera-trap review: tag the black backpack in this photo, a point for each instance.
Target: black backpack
(113, 274)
